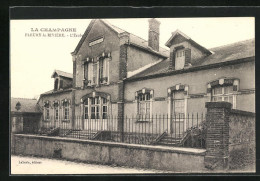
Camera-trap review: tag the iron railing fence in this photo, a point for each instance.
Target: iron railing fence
(174, 130)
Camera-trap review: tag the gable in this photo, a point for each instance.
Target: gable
(178, 39)
(99, 38)
(54, 75)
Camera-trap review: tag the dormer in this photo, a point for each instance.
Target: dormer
(62, 80)
(184, 52)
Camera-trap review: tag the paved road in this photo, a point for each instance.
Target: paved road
(33, 165)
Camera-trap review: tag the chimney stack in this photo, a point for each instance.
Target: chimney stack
(154, 34)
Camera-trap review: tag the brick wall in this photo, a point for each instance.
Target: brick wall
(230, 142)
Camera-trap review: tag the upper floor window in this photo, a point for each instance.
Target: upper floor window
(179, 59)
(97, 72)
(103, 70)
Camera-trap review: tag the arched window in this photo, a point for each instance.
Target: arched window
(65, 109)
(56, 110)
(86, 109)
(46, 110)
(95, 107)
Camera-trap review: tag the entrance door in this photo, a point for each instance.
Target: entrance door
(178, 111)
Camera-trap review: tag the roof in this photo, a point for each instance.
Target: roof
(238, 50)
(178, 32)
(231, 52)
(133, 39)
(56, 91)
(27, 105)
(62, 73)
(137, 41)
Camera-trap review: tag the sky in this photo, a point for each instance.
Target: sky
(33, 59)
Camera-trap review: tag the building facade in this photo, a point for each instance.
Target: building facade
(116, 73)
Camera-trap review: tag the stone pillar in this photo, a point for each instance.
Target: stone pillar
(122, 76)
(217, 138)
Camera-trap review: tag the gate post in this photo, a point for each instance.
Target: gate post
(217, 135)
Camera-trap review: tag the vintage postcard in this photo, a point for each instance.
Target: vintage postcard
(132, 96)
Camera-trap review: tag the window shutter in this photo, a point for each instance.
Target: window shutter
(61, 84)
(187, 57)
(105, 68)
(94, 73)
(172, 60)
(90, 72)
(86, 71)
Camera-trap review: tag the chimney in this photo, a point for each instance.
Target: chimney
(154, 34)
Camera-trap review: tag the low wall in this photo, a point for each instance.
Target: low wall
(143, 156)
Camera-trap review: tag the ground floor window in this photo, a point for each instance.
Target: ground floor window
(95, 108)
(56, 113)
(66, 110)
(144, 108)
(223, 93)
(46, 111)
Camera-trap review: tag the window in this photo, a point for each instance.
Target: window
(93, 106)
(179, 59)
(104, 113)
(56, 112)
(103, 70)
(144, 104)
(66, 110)
(47, 112)
(86, 109)
(97, 72)
(90, 73)
(223, 93)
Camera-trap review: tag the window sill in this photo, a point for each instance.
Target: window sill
(143, 121)
(105, 83)
(66, 121)
(47, 120)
